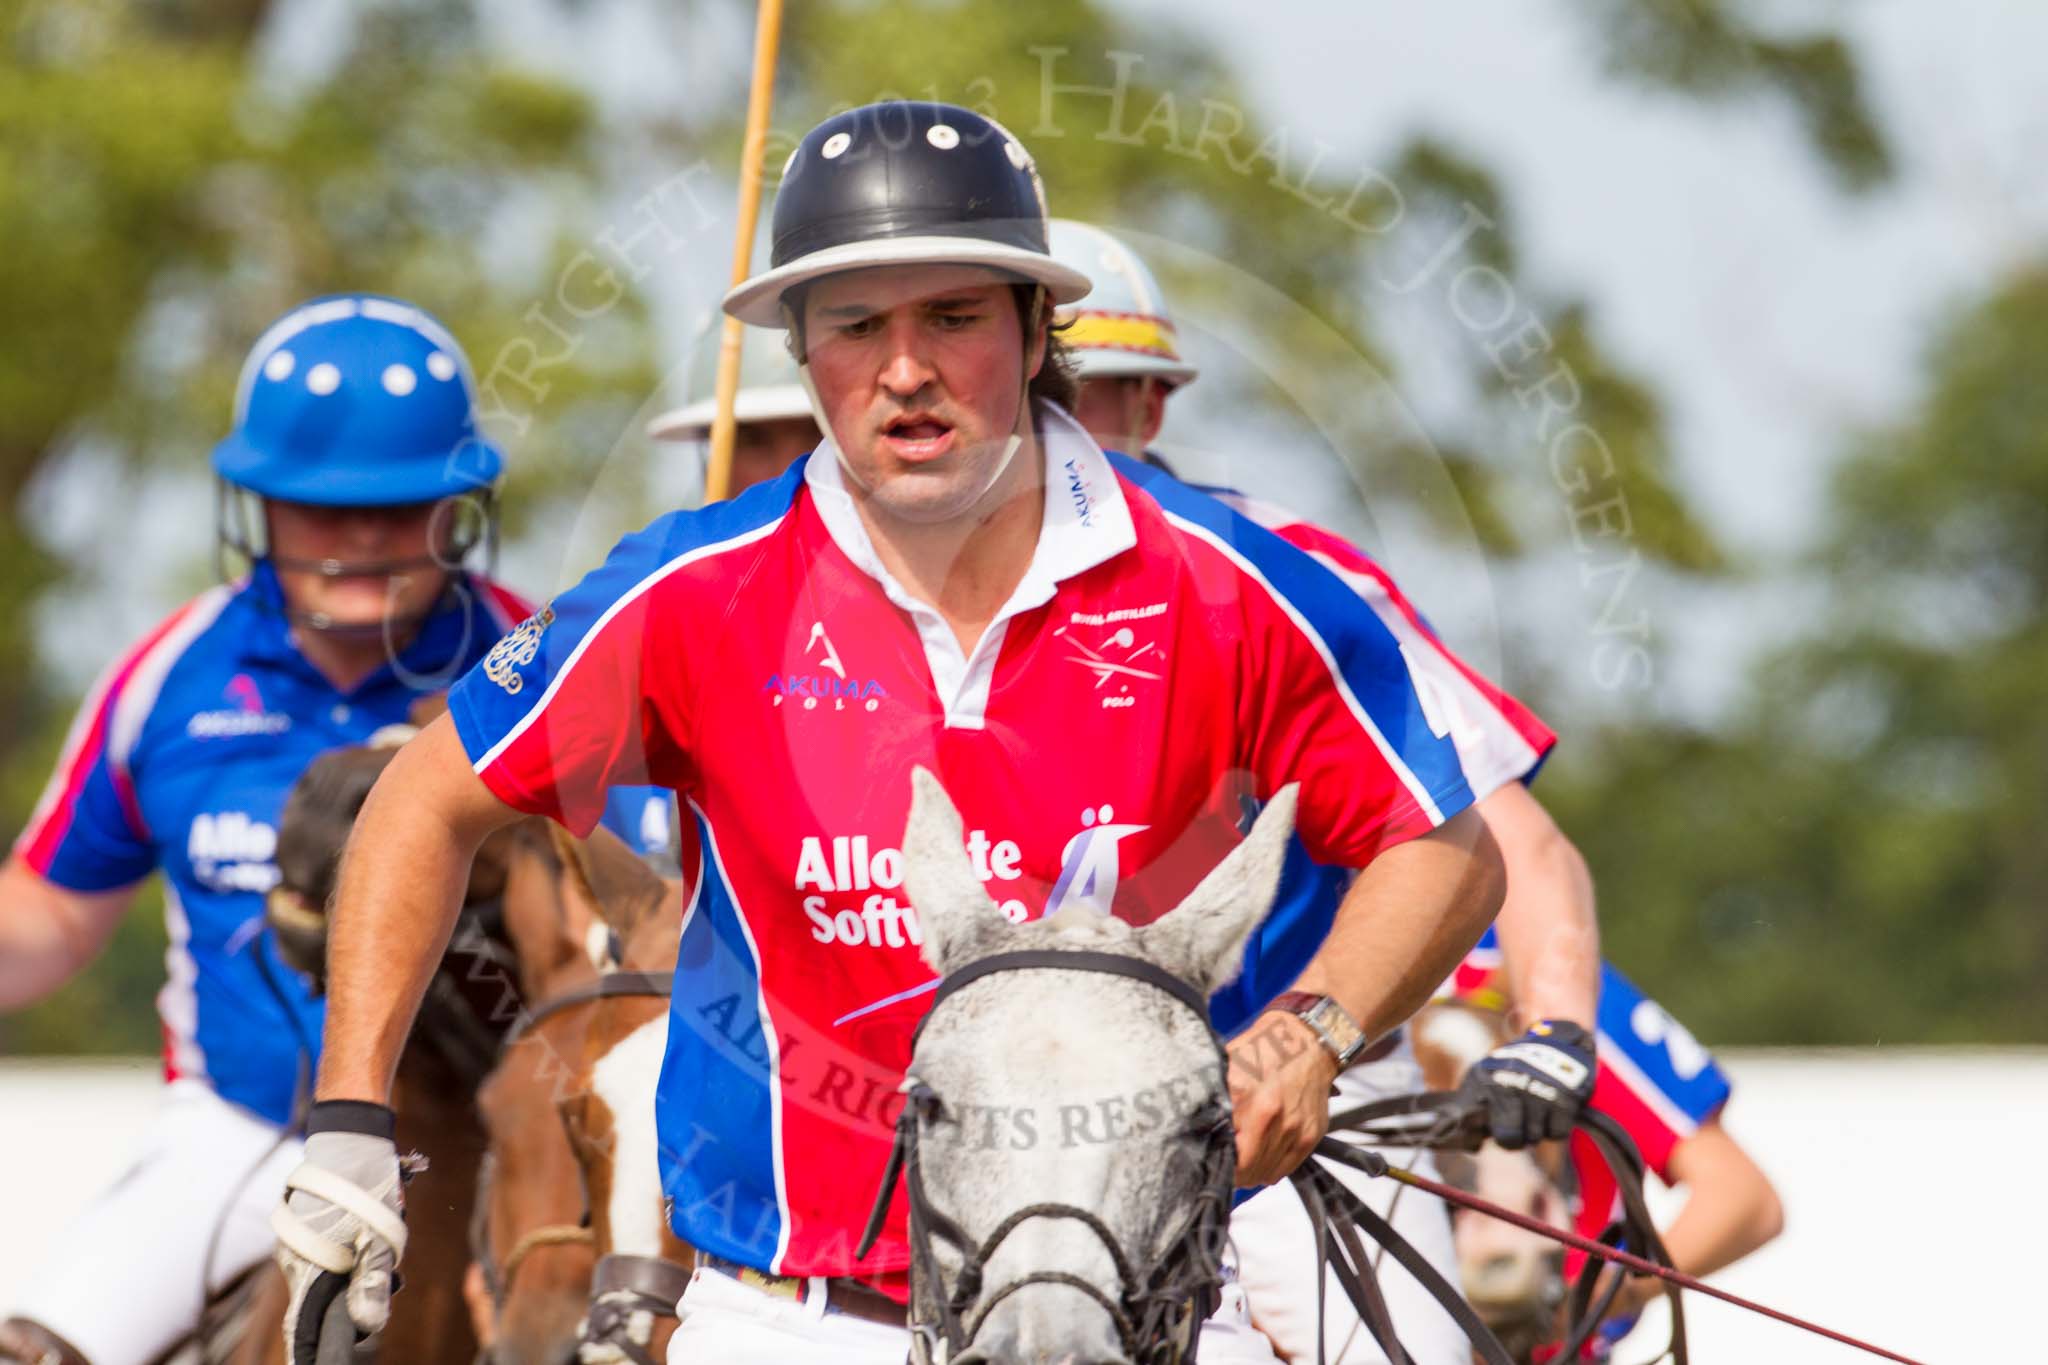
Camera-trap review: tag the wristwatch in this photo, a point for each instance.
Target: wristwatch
(1341, 1036)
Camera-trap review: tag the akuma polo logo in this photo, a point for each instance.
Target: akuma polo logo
(1080, 493)
(243, 692)
(832, 685)
(829, 657)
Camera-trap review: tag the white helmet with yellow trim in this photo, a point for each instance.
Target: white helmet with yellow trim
(770, 387)
(1122, 328)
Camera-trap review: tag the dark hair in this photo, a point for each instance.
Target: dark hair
(1055, 381)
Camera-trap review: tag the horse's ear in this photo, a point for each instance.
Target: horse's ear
(959, 920)
(1202, 939)
(605, 881)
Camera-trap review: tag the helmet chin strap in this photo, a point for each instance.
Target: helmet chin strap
(350, 568)
(232, 536)
(386, 625)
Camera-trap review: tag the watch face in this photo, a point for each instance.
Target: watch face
(1340, 1034)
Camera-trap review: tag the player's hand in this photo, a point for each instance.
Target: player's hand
(1534, 1087)
(1280, 1076)
(341, 1228)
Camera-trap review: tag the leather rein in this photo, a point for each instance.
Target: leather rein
(1158, 1307)
(1159, 1311)
(1440, 1121)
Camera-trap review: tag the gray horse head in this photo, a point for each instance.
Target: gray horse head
(1071, 1088)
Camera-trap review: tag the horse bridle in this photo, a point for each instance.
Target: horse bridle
(1159, 1303)
(1159, 1308)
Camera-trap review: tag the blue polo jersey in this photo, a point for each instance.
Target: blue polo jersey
(180, 760)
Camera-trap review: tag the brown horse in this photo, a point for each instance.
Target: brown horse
(535, 1241)
(530, 1281)
(642, 1266)
(522, 937)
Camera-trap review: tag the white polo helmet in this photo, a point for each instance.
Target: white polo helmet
(1122, 328)
(770, 388)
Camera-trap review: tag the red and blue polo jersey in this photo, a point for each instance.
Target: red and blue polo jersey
(1163, 663)
(1653, 1077)
(1656, 1079)
(1498, 740)
(180, 760)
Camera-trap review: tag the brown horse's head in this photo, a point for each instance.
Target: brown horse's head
(503, 1184)
(609, 1117)
(564, 900)
(318, 815)
(531, 1240)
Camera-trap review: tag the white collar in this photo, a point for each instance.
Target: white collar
(1086, 520)
(1086, 523)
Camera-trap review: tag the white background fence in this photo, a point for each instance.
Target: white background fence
(1915, 1187)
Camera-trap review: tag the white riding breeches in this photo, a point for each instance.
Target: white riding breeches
(1276, 1252)
(127, 1279)
(737, 1324)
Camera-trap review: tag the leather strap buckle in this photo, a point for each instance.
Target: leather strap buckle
(848, 1297)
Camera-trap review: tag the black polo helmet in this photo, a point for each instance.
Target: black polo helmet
(903, 183)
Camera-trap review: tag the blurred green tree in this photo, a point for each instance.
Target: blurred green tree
(164, 193)
(1712, 49)
(1145, 129)
(1860, 859)
(162, 199)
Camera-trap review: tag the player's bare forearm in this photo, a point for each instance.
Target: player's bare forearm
(400, 889)
(1732, 1208)
(1407, 921)
(47, 933)
(1549, 928)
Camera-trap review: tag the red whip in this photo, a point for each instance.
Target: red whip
(1452, 1195)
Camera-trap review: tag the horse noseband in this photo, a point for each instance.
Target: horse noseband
(1160, 1305)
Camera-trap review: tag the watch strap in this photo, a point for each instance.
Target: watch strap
(1339, 1033)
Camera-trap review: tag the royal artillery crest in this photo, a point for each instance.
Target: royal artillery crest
(516, 651)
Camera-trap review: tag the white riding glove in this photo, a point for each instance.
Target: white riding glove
(342, 1224)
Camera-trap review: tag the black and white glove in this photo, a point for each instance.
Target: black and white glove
(341, 1227)
(1534, 1087)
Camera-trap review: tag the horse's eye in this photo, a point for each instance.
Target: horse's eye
(926, 1104)
(1203, 1123)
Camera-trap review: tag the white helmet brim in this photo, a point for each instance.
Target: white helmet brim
(758, 301)
(769, 403)
(1095, 362)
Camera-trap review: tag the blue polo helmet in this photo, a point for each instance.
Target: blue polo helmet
(357, 400)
